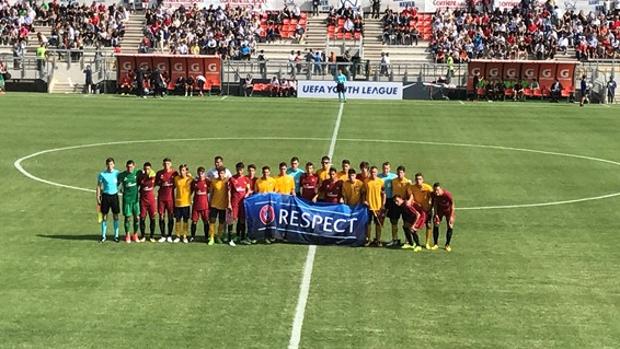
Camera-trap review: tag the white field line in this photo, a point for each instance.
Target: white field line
(304, 287)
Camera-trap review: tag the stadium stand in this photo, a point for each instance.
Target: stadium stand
(345, 24)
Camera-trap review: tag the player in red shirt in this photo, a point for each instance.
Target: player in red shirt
(200, 207)
(443, 205)
(309, 182)
(252, 177)
(164, 179)
(364, 174)
(414, 219)
(239, 189)
(331, 189)
(148, 205)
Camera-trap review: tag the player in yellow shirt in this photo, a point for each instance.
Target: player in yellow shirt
(285, 184)
(421, 193)
(344, 174)
(218, 189)
(400, 184)
(352, 189)
(323, 173)
(265, 184)
(374, 199)
(182, 202)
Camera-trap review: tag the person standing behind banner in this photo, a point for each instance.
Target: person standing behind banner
(309, 183)
(352, 189)
(393, 211)
(265, 184)
(330, 190)
(285, 184)
(296, 173)
(341, 79)
(374, 199)
(611, 90)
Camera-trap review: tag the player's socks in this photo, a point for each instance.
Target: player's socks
(162, 227)
(408, 236)
(229, 233)
(178, 228)
(205, 227)
(126, 225)
(170, 226)
(193, 234)
(378, 235)
(435, 235)
(116, 228)
(142, 227)
(152, 227)
(448, 236)
(428, 236)
(394, 232)
(211, 230)
(104, 229)
(414, 235)
(136, 224)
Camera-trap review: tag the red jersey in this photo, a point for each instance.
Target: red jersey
(444, 202)
(331, 191)
(309, 183)
(201, 191)
(165, 181)
(238, 186)
(410, 212)
(146, 185)
(252, 182)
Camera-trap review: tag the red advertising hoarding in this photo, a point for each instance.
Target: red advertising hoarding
(546, 75)
(494, 71)
(566, 74)
(474, 68)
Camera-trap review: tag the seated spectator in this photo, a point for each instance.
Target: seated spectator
(275, 87)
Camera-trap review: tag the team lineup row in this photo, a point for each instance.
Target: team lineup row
(216, 197)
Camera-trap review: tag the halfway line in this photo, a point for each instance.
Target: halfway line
(304, 287)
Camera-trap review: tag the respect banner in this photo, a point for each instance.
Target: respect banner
(296, 220)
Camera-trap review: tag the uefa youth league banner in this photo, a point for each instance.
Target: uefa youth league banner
(354, 89)
(296, 220)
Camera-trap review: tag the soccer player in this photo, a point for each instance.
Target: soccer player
(148, 205)
(200, 209)
(265, 184)
(421, 193)
(374, 199)
(107, 197)
(128, 181)
(352, 189)
(393, 211)
(309, 182)
(323, 173)
(364, 174)
(296, 172)
(285, 184)
(414, 219)
(182, 202)
(164, 179)
(252, 177)
(344, 174)
(443, 206)
(218, 163)
(219, 204)
(239, 188)
(331, 189)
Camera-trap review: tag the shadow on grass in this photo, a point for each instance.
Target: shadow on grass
(82, 237)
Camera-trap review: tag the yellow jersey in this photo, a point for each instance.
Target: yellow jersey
(323, 174)
(182, 191)
(285, 184)
(267, 185)
(400, 186)
(219, 193)
(373, 190)
(352, 192)
(343, 176)
(421, 195)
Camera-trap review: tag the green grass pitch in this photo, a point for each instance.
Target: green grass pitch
(529, 277)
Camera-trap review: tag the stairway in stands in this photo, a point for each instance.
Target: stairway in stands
(134, 32)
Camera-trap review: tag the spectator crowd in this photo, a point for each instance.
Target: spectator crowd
(529, 31)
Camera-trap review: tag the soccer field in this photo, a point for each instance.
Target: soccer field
(535, 248)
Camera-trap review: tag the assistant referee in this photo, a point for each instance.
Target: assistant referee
(341, 79)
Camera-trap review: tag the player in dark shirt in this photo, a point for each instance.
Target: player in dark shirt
(331, 189)
(443, 206)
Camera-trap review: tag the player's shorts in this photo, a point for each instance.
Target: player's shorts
(164, 206)
(200, 214)
(394, 212)
(109, 202)
(441, 214)
(131, 208)
(148, 207)
(181, 213)
(340, 88)
(419, 224)
(218, 214)
(238, 211)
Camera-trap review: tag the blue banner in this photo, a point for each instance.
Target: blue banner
(296, 220)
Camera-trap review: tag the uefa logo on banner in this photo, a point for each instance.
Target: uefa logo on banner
(267, 214)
